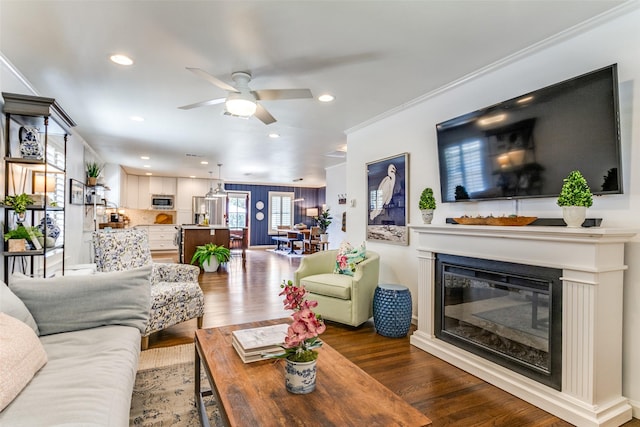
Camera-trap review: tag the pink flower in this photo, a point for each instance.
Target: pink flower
(303, 332)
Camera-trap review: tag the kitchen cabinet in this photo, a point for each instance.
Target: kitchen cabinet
(162, 185)
(161, 237)
(186, 189)
(137, 194)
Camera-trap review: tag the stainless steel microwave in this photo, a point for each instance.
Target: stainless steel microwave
(161, 202)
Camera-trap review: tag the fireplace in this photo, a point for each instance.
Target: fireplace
(579, 286)
(508, 313)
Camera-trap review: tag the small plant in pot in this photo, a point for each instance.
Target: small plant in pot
(209, 256)
(575, 197)
(19, 239)
(427, 205)
(19, 204)
(93, 173)
(323, 221)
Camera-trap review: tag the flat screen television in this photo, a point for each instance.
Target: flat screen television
(526, 146)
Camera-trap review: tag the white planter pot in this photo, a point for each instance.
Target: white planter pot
(324, 237)
(574, 216)
(211, 266)
(427, 215)
(300, 377)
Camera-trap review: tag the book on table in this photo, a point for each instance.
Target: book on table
(252, 344)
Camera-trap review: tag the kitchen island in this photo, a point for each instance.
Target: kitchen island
(198, 235)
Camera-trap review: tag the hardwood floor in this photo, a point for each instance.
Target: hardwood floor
(444, 393)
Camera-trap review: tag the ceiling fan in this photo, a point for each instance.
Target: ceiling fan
(241, 100)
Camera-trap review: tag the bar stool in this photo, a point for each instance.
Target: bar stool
(392, 310)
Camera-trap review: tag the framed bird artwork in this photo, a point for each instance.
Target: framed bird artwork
(387, 192)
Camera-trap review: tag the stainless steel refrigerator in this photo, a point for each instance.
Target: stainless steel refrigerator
(215, 210)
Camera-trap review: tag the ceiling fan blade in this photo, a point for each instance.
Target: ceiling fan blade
(216, 81)
(203, 103)
(264, 116)
(276, 94)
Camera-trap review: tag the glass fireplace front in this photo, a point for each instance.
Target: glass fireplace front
(508, 313)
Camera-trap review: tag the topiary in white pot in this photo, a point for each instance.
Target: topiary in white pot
(427, 205)
(575, 197)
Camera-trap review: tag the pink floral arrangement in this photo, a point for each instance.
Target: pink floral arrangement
(302, 335)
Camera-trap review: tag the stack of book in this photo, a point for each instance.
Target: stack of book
(252, 344)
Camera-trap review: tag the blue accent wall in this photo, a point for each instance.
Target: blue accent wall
(313, 197)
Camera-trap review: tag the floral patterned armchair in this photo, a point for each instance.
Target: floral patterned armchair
(175, 293)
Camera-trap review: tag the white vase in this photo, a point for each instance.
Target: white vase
(574, 215)
(211, 266)
(324, 237)
(427, 215)
(300, 377)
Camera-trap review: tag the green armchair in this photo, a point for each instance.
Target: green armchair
(341, 298)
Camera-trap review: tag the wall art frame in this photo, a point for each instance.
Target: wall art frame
(387, 200)
(76, 192)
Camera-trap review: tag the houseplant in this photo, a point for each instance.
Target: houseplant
(93, 172)
(575, 197)
(19, 204)
(210, 256)
(23, 233)
(427, 205)
(323, 221)
(301, 340)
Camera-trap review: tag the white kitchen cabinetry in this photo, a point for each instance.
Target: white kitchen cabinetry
(187, 188)
(137, 195)
(162, 185)
(161, 237)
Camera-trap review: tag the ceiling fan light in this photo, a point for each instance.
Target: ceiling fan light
(239, 105)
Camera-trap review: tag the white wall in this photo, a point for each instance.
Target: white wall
(336, 185)
(615, 39)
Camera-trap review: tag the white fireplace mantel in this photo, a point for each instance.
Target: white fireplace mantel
(592, 263)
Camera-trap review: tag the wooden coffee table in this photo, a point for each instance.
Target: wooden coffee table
(254, 394)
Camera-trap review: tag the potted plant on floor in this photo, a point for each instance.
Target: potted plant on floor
(323, 221)
(209, 256)
(93, 173)
(427, 205)
(575, 197)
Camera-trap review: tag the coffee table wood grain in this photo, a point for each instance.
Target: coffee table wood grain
(254, 394)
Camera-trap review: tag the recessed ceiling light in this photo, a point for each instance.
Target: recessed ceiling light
(121, 59)
(148, 173)
(204, 162)
(145, 157)
(146, 166)
(326, 97)
(274, 135)
(137, 118)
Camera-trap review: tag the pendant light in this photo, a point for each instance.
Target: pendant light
(210, 194)
(219, 191)
(297, 199)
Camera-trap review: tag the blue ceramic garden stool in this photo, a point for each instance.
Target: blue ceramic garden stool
(392, 310)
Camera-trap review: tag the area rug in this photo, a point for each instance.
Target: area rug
(286, 253)
(163, 395)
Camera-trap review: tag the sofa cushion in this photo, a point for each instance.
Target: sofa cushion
(62, 304)
(14, 307)
(21, 354)
(88, 381)
(329, 284)
(348, 258)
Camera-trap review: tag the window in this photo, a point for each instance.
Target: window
(237, 210)
(280, 210)
(464, 161)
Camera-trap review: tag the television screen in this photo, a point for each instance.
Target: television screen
(526, 146)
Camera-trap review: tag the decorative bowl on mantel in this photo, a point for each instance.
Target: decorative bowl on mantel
(503, 220)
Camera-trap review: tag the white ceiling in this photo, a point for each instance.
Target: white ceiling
(372, 55)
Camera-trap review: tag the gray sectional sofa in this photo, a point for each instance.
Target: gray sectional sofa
(90, 329)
